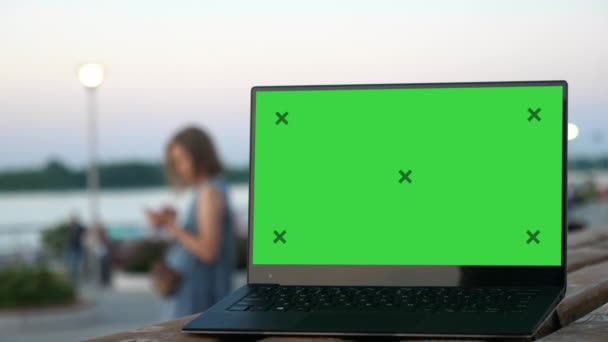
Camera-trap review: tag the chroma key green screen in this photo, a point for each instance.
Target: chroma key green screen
(408, 176)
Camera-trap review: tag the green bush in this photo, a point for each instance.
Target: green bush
(55, 239)
(33, 286)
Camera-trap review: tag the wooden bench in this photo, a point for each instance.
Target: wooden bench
(582, 315)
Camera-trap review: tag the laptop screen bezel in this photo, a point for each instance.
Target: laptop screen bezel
(408, 275)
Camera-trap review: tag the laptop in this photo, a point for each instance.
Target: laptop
(403, 210)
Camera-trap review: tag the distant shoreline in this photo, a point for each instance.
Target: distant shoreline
(128, 175)
(102, 188)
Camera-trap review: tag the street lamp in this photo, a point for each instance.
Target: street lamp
(91, 76)
(572, 131)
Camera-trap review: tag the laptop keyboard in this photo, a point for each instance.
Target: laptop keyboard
(409, 299)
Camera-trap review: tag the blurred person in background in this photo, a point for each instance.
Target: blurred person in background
(101, 249)
(198, 267)
(75, 247)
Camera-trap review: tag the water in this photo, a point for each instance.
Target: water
(599, 177)
(23, 215)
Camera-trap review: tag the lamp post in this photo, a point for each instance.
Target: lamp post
(91, 76)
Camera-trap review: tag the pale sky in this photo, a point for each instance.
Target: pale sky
(170, 63)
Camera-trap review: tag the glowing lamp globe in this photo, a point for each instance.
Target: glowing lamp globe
(572, 131)
(91, 75)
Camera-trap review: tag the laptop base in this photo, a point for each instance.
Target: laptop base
(375, 322)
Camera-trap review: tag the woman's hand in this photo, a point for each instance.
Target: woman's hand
(170, 218)
(154, 218)
(163, 218)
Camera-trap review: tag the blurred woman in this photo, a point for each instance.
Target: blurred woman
(197, 270)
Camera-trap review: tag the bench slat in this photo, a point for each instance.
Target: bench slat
(165, 331)
(587, 290)
(587, 255)
(592, 328)
(587, 237)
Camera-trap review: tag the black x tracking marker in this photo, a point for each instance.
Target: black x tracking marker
(534, 114)
(280, 236)
(533, 236)
(282, 118)
(405, 176)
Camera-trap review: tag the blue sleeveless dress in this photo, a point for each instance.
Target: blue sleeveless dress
(202, 285)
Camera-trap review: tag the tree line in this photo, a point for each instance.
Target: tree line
(55, 175)
(588, 163)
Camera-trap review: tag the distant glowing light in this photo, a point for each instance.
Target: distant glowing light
(91, 75)
(572, 131)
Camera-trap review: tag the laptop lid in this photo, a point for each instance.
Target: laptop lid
(450, 184)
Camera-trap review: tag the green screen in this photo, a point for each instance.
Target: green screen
(425, 176)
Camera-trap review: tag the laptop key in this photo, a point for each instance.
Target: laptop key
(259, 308)
(238, 307)
(301, 308)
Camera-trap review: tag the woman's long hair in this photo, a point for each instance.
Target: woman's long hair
(200, 147)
